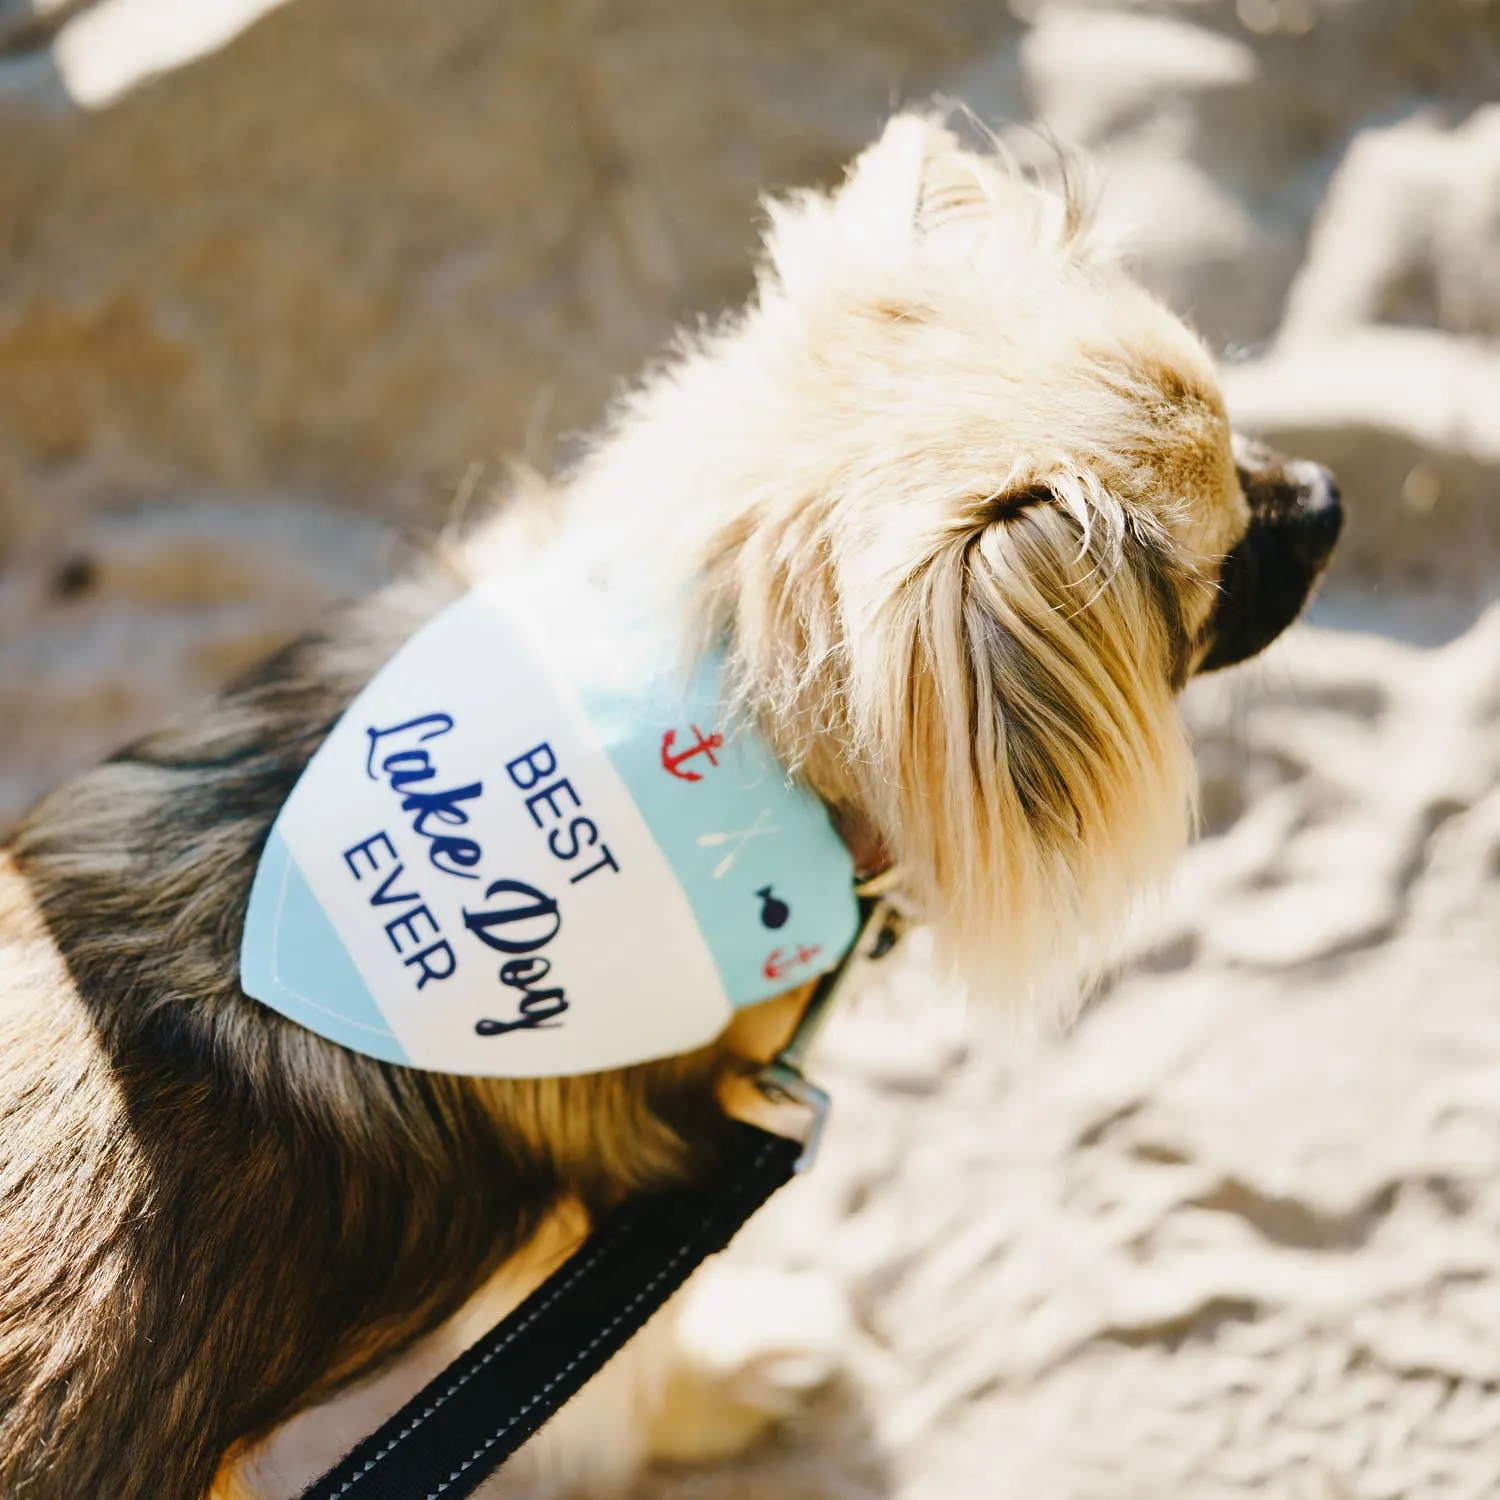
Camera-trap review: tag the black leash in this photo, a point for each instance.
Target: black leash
(465, 1424)
(450, 1437)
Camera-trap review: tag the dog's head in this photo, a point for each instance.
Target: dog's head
(969, 514)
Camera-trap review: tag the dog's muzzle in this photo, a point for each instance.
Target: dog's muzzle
(1296, 515)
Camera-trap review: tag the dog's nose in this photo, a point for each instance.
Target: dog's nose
(1320, 507)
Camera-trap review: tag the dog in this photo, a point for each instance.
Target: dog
(961, 504)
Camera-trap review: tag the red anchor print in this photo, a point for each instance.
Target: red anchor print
(776, 967)
(706, 745)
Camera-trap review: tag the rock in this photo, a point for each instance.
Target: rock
(1409, 232)
(1259, 99)
(152, 607)
(1095, 72)
(370, 243)
(29, 24)
(120, 43)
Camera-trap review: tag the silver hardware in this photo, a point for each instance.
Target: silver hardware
(782, 1080)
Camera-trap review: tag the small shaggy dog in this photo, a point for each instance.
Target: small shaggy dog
(960, 503)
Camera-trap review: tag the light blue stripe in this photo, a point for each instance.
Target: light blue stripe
(744, 841)
(291, 951)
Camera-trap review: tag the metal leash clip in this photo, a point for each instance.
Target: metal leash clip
(782, 1080)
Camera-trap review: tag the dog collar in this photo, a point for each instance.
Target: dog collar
(511, 861)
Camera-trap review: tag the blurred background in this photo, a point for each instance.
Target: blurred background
(279, 280)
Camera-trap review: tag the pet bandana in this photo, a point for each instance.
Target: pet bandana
(512, 862)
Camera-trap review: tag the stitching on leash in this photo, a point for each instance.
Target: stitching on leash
(682, 1250)
(578, 1271)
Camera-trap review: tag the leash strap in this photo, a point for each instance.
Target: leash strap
(454, 1434)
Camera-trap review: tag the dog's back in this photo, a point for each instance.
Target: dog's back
(71, 1192)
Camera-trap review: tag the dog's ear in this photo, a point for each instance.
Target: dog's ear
(1014, 702)
(870, 226)
(919, 184)
(985, 684)
(881, 199)
(919, 195)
